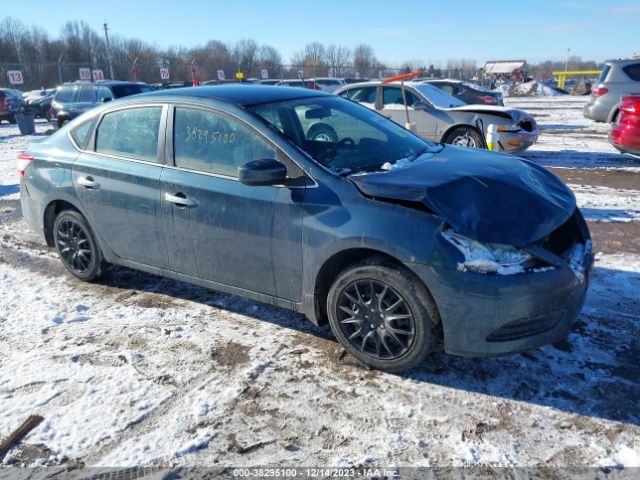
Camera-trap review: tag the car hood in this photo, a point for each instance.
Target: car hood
(486, 196)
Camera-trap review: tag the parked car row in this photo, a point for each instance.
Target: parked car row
(10, 101)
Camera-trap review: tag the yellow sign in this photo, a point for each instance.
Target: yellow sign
(239, 75)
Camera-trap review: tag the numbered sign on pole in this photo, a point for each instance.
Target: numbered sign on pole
(15, 77)
(264, 73)
(98, 75)
(84, 73)
(164, 73)
(220, 74)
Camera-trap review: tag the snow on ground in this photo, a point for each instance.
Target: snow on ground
(141, 370)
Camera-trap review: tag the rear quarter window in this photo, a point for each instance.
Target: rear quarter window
(604, 73)
(633, 72)
(82, 133)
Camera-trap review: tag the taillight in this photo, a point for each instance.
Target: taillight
(598, 92)
(52, 114)
(488, 99)
(24, 159)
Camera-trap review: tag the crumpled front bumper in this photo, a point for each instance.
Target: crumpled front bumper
(485, 315)
(514, 142)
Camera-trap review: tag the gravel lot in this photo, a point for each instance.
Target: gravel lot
(140, 370)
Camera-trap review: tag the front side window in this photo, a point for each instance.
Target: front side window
(215, 143)
(131, 133)
(104, 94)
(392, 97)
(342, 135)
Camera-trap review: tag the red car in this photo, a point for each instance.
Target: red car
(625, 131)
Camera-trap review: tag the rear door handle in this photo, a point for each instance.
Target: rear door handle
(88, 182)
(180, 199)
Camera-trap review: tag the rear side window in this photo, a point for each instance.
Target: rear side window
(633, 72)
(87, 94)
(82, 133)
(604, 73)
(65, 93)
(210, 142)
(131, 133)
(361, 95)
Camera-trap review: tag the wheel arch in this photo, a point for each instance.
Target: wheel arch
(51, 212)
(443, 139)
(341, 260)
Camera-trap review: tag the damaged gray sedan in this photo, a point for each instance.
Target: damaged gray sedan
(440, 117)
(396, 242)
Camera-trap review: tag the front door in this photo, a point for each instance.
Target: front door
(118, 184)
(392, 104)
(219, 229)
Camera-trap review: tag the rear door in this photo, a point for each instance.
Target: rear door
(219, 229)
(118, 182)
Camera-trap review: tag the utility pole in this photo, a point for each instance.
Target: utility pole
(566, 61)
(106, 37)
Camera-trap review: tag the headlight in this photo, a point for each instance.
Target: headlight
(488, 257)
(510, 127)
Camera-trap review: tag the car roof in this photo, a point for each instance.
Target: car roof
(238, 94)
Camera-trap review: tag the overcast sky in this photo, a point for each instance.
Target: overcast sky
(423, 30)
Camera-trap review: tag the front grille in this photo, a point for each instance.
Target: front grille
(526, 327)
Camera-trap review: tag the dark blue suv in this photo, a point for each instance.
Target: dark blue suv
(395, 241)
(73, 99)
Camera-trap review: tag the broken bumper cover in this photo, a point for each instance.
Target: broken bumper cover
(514, 142)
(485, 315)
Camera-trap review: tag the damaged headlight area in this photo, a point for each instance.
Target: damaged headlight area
(492, 258)
(511, 127)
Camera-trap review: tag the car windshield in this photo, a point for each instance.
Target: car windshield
(438, 97)
(342, 135)
(125, 90)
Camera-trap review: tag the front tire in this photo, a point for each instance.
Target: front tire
(383, 316)
(77, 246)
(465, 137)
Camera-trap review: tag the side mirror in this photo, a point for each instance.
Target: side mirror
(421, 106)
(106, 99)
(262, 173)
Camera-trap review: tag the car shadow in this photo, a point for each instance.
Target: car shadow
(609, 215)
(595, 372)
(9, 190)
(580, 159)
(561, 126)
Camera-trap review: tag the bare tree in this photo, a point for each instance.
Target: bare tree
(363, 58)
(338, 57)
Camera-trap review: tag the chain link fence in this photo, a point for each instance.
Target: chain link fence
(52, 74)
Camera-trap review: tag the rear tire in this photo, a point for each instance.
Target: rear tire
(465, 137)
(382, 315)
(77, 246)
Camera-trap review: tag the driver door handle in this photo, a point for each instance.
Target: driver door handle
(180, 199)
(88, 182)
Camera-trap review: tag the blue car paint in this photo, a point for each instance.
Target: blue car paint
(292, 234)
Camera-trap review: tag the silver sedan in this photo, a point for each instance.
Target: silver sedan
(443, 118)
